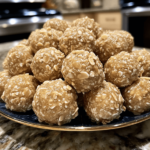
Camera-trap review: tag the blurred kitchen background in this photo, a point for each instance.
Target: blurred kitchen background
(19, 17)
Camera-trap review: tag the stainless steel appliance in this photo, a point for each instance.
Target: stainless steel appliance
(136, 20)
(20, 17)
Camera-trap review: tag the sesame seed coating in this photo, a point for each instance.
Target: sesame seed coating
(137, 96)
(83, 70)
(122, 69)
(77, 38)
(18, 93)
(113, 42)
(19, 59)
(44, 38)
(47, 63)
(4, 78)
(104, 104)
(144, 59)
(55, 102)
(57, 24)
(88, 24)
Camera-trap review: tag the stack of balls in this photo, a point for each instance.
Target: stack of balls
(64, 66)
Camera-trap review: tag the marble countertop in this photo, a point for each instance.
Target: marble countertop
(14, 136)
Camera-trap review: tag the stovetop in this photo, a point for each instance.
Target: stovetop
(23, 13)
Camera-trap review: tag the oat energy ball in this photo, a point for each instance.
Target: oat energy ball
(122, 69)
(4, 78)
(83, 70)
(24, 42)
(144, 59)
(5, 64)
(47, 63)
(113, 42)
(77, 38)
(137, 96)
(18, 93)
(44, 38)
(57, 24)
(19, 59)
(55, 102)
(104, 104)
(88, 24)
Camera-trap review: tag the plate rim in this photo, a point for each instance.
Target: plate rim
(66, 128)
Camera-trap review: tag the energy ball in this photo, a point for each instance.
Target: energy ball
(137, 96)
(122, 69)
(88, 24)
(47, 63)
(57, 24)
(19, 59)
(5, 62)
(113, 42)
(104, 104)
(83, 70)
(55, 102)
(44, 38)
(77, 38)
(24, 42)
(144, 59)
(18, 93)
(4, 78)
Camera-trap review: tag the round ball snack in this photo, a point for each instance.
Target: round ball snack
(44, 38)
(18, 60)
(88, 24)
(24, 42)
(57, 24)
(5, 64)
(4, 78)
(144, 58)
(47, 63)
(77, 38)
(113, 42)
(18, 93)
(122, 69)
(104, 104)
(137, 96)
(83, 70)
(55, 102)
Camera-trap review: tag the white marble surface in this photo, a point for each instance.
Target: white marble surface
(14, 136)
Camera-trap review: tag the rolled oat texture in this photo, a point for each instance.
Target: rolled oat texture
(57, 24)
(44, 38)
(55, 102)
(19, 91)
(83, 70)
(111, 43)
(137, 96)
(18, 60)
(122, 69)
(4, 78)
(47, 63)
(89, 24)
(144, 59)
(77, 38)
(104, 104)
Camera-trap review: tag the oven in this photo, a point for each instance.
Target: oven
(18, 18)
(136, 20)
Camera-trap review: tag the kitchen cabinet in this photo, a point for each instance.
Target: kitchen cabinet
(107, 20)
